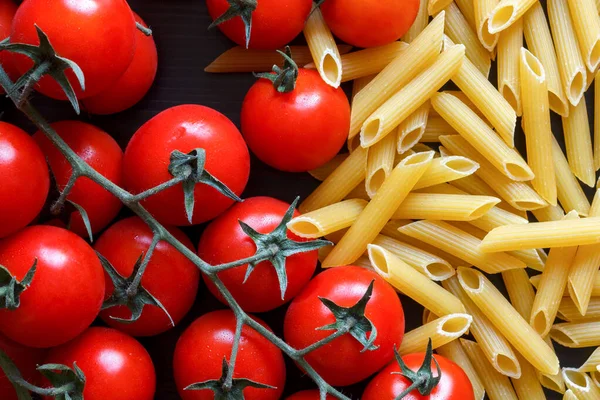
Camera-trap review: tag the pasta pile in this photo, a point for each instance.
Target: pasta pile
(430, 219)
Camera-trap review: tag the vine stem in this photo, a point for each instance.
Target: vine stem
(81, 169)
(59, 204)
(140, 273)
(239, 325)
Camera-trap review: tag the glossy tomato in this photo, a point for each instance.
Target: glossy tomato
(207, 341)
(67, 289)
(25, 179)
(186, 128)
(101, 152)
(369, 23)
(170, 277)
(341, 362)
(116, 366)
(296, 131)
(274, 22)
(308, 395)
(25, 359)
(224, 241)
(133, 85)
(389, 384)
(98, 35)
(7, 11)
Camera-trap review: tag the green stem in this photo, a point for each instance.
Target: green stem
(143, 29)
(140, 273)
(239, 325)
(59, 204)
(44, 391)
(152, 191)
(321, 343)
(258, 257)
(409, 389)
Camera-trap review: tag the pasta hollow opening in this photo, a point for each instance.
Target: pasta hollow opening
(595, 377)
(455, 324)
(527, 205)
(410, 139)
(417, 158)
(508, 365)
(482, 210)
(576, 88)
(439, 270)
(353, 143)
(376, 180)
(509, 95)
(378, 260)
(562, 337)
(501, 17)
(460, 164)
(595, 54)
(469, 278)
(540, 322)
(331, 69)
(533, 64)
(557, 104)
(489, 39)
(304, 227)
(575, 377)
(517, 171)
(551, 383)
(370, 130)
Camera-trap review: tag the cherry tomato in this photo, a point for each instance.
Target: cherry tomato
(7, 11)
(186, 128)
(66, 292)
(224, 241)
(274, 22)
(170, 277)
(101, 152)
(341, 362)
(296, 131)
(207, 341)
(25, 359)
(98, 35)
(133, 85)
(369, 23)
(25, 179)
(116, 366)
(389, 384)
(308, 395)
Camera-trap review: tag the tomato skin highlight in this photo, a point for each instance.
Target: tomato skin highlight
(341, 362)
(26, 359)
(7, 11)
(98, 35)
(101, 152)
(170, 277)
(224, 241)
(388, 384)
(67, 289)
(296, 131)
(186, 128)
(203, 345)
(116, 366)
(25, 179)
(369, 23)
(308, 395)
(133, 85)
(274, 22)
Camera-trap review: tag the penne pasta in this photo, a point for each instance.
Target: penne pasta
(460, 244)
(508, 321)
(441, 331)
(497, 386)
(472, 184)
(435, 6)
(520, 291)
(408, 281)
(455, 352)
(569, 395)
(568, 310)
(412, 96)
(494, 346)
(528, 386)
(380, 161)
(359, 192)
(481, 137)
(597, 123)
(570, 193)
(580, 384)
(322, 46)
(587, 28)
(324, 221)
(482, 9)
(379, 210)
(467, 8)
(436, 127)
(509, 47)
(419, 24)
(446, 169)
(592, 362)
(577, 334)
(536, 125)
(446, 207)
(326, 169)
(578, 141)
(535, 281)
(553, 382)
(550, 213)
(570, 62)
(507, 12)
(411, 130)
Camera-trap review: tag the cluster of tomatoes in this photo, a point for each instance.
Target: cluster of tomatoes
(294, 131)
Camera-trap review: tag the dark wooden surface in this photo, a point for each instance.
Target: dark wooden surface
(185, 47)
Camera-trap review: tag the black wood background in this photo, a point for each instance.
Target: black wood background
(185, 47)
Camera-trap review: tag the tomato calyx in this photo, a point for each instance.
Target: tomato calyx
(238, 8)
(284, 79)
(45, 62)
(190, 168)
(227, 391)
(129, 292)
(423, 379)
(352, 320)
(11, 288)
(276, 247)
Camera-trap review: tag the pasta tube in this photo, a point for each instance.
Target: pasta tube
(441, 331)
(324, 221)
(323, 48)
(509, 47)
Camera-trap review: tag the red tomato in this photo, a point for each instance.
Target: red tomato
(7, 11)
(133, 85)
(369, 23)
(67, 289)
(296, 131)
(224, 241)
(341, 362)
(274, 22)
(101, 152)
(98, 35)
(207, 341)
(25, 179)
(26, 359)
(186, 128)
(116, 366)
(170, 277)
(308, 395)
(388, 384)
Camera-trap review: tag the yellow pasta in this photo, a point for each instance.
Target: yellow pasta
(323, 48)
(568, 310)
(580, 384)
(592, 363)
(497, 386)
(379, 210)
(578, 141)
(569, 395)
(446, 169)
(510, 42)
(455, 352)
(436, 127)
(597, 123)
(587, 28)
(482, 9)
(507, 12)
(472, 184)
(321, 173)
(420, 23)
(535, 281)
(520, 291)
(411, 130)
(447, 207)
(324, 221)
(460, 244)
(408, 99)
(481, 137)
(441, 331)
(413, 284)
(435, 6)
(570, 193)
(577, 334)
(467, 8)
(553, 382)
(380, 161)
(528, 386)
(570, 62)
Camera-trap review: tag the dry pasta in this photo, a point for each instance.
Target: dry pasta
(321, 173)
(580, 384)
(324, 221)
(323, 48)
(578, 141)
(411, 130)
(441, 331)
(420, 23)
(467, 8)
(535, 281)
(509, 48)
(380, 161)
(528, 386)
(597, 123)
(592, 362)
(446, 169)
(435, 6)
(577, 334)
(507, 12)
(568, 310)
(436, 127)
(587, 28)
(482, 9)
(570, 193)
(455, 352)
(447, 207)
